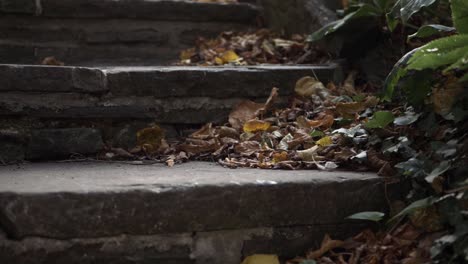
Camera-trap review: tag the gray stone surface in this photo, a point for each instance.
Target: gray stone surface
(75, 200)
(298, 16)
(62, 143)
(19, 6)
(217, 82)
(148, 9)
(164, 249)
(51, 79)
(12, 144)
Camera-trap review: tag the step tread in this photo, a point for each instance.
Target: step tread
(71, 200)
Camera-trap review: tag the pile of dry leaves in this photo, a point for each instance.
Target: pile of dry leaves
(324, 128)
(250, 48)
(406, 244)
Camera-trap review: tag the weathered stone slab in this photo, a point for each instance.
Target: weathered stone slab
(61, 143)
(51, 79)
(147, 9)
(96, 199)
(19, 6)
(299, 16)
(198, 110)
(216, 82)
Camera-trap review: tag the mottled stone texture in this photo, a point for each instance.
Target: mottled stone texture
(298, 16)
(192, 213)
(58, 143)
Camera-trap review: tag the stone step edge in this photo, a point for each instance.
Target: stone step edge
(88, 200)
(138, 9)
(163, 81)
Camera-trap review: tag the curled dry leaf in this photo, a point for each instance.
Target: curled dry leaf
(309, 86)
(243, 112)
(349, 110)
(327, 245)
(248, 148)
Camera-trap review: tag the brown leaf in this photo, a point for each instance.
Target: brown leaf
(52, 61)
(248, 148)
(243, 112)
(206, 132)
(327, 245)
(349, 110)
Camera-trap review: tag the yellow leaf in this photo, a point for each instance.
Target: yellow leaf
(219, 61)
(253, 126)
(278, 157)
(325, 141)
(187, 54)
(261, 259)
(229, 56)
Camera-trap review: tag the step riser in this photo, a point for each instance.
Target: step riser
(227, 247)
(108, 32)
(101, 42)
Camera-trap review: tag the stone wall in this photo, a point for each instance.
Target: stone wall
(299, 16)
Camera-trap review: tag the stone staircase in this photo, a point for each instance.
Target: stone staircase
(119, 79)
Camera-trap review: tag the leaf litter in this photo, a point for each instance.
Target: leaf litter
(325, 127)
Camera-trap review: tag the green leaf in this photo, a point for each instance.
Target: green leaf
(365, 10)
(317, 133)
(420, 204)
(439, 170)
(370, 216)
(380, 120)
(430, 30)
(395, 75)
(440, 52)
(460, 15)
(404, 9)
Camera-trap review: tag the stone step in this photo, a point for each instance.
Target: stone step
(191, 213)
(50, 112)
(110, 32)
(191, 95)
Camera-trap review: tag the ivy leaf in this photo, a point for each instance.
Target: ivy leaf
(460, 15)
(440, 52)
(439, 170)
(370, 216)
(380, 120)
(420, 204)
(365, 10)
(404, 9)
(430, 30)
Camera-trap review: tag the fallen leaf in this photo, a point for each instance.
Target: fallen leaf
(243, 112)
(261, 259)
(309, 86)
(349, 110)
(248, 148)
(253, 126)
(230, 56)
(327, 245)
(325, 141)
(150, 139)
(380, 119)
(52, 61)
(308, 154)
